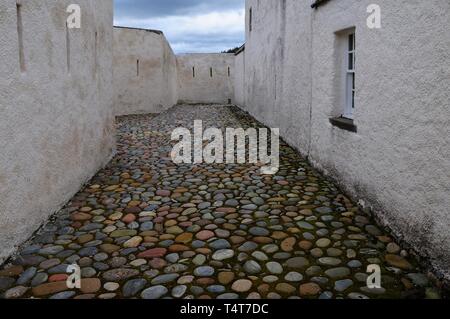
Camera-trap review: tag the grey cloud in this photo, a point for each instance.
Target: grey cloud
(161, 8)
(152, 14)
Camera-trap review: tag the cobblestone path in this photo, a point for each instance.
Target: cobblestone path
(144, 227)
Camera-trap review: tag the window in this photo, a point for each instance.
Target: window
(193, 71)
(350, 77)
(211, 72)
(345, 76)
(250, 20)
(137, 67)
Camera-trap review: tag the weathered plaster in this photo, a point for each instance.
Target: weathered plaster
(204, 88)
(56, 124)
(239, 95)
(398, 162)
(147, 86)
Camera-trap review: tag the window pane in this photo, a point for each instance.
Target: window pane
(353, 91)
(353, 99)
(350, 61)
(351, 42)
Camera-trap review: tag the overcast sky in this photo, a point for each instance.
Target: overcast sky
(189, 25)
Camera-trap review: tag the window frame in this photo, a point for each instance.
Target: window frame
(350, 77)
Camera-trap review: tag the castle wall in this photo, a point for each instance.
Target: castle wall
(145, 72)
(56, 121)
(206, 78)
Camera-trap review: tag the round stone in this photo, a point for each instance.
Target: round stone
(204, 271)
(132, 287)
(337, 273)
(274, 267)
(155, 292)
(294, 277)
(329, 261)
(323, 242)
(179, 291)
(309, 289)
(285, 288)
(204, 235)
(252, 267)
(184, 238)
(393, 248)
(226, 277)
(26, 276)
(297, 263)
(164, 279)
(342, 285)
(270, 279)
(111, 286)
(259, 231)
(133, 242)
(242, 285)
(260, 256)
(399, 262)
(16, 292)
(223, 254)
(220, 244)
(287, 245)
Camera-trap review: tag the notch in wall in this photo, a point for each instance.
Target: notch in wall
(95, 52)
(20, 37)
(193, 71)
(229, 72)
(211, 72)
(137, 67)
(250, 20)
(67, 48)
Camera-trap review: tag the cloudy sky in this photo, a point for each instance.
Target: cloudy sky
(189, 25)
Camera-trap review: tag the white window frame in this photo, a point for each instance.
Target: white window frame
(350, 77)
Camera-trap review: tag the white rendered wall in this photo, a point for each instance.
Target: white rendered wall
(56, 122)
(398, 162)
(239, 71)
(152, 88)
(202, 88)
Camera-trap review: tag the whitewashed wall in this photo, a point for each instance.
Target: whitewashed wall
(398, 162)
(147, 86)
(239, 96)
(202, 88)
(56, 122)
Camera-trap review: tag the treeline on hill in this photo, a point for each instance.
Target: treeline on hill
(234, 50)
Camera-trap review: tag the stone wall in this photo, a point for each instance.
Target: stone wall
(56, 121)
(145, 72)
(206, 78)
(397, 163)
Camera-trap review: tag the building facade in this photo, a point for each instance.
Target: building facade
(368, 106)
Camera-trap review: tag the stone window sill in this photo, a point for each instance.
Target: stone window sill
(344, 124)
